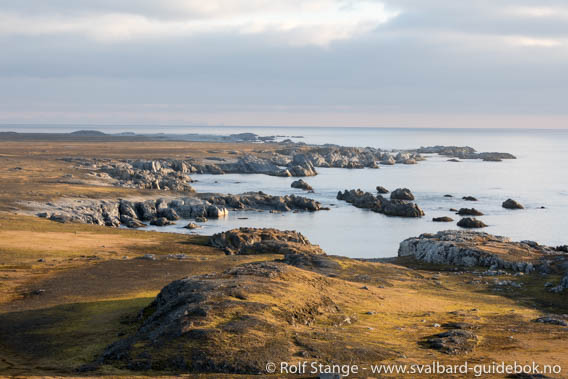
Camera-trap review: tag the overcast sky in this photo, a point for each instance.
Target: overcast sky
(434, 63)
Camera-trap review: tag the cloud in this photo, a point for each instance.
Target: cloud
(298, 22)
(229, 60)
(534, 42)
(540, 12)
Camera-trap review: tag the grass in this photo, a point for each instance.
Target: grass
(62, 338)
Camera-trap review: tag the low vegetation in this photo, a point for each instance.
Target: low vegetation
(70, 292)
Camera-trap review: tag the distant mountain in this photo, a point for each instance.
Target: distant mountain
(88, 133)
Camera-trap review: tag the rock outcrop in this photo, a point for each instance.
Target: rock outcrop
(301, 184)
(469, 249)
(469, 212)
(345, 157)
(235, 321)
(465, 152)
(262, 201)
(563, 286)
(379, 204)
(382, 190)
(471, 223)
(402, 194)
(453, 342)
(157, 175)
(553, 320)
(443, 219)
(250, 164)
(512, 204)
(134, 214)
(247, 241)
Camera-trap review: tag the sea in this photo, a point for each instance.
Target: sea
(538, 179)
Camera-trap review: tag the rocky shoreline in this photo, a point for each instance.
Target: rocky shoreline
(293, 160)
(465, 152)
(162, 211)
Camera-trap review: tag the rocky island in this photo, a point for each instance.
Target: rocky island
(398, 205)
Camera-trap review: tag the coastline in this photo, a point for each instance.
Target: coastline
(91, 281)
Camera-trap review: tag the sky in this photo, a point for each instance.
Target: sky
(407, 63)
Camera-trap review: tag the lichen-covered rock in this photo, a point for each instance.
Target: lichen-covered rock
(246, 241)
(465, 248)
(453, 342)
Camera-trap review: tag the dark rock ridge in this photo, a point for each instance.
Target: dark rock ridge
(469, 198)
(162, 212)
(379, 204)
(262, 201)
(88, 133)
(512, 204)
(553, 320)
(464, 152)
(467, 248)
(471, 223)
(245, 241)
(301, 184)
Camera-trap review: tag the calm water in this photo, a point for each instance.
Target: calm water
(539, 177)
